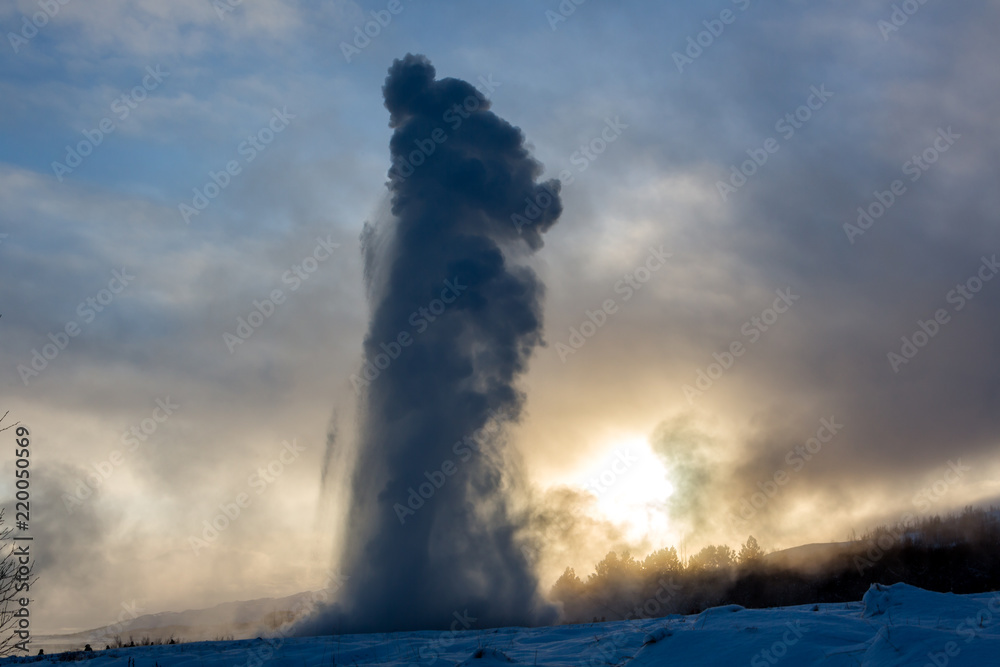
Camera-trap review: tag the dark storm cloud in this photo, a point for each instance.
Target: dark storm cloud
(455, 320)
(888, 100)
(925, 89)
(862, 293)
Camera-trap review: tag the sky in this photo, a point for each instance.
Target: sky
(773, 274)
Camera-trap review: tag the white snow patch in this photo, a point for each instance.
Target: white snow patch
(894, 625)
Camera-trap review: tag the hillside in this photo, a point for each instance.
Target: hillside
(892, 625)
(237, 620)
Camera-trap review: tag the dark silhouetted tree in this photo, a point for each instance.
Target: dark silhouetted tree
(664, 561)
(750, 554)
(13, 578)
(568, 586)
(712, 557)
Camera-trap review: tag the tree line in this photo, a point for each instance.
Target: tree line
(957, 553)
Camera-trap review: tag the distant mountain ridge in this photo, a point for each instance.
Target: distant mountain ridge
(243, 619)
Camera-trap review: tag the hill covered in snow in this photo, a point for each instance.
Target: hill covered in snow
(892, 625)
(232, 620)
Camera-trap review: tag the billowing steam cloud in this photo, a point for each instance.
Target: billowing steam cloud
(432, 531)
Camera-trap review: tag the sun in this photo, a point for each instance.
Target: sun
(632, 486)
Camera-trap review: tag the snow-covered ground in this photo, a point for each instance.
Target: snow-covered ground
(892, 625)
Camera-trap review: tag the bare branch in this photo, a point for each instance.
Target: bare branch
(8, 426)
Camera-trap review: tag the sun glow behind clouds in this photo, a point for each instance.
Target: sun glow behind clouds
(632, 485)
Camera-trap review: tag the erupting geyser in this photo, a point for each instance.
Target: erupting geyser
(455, 316)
